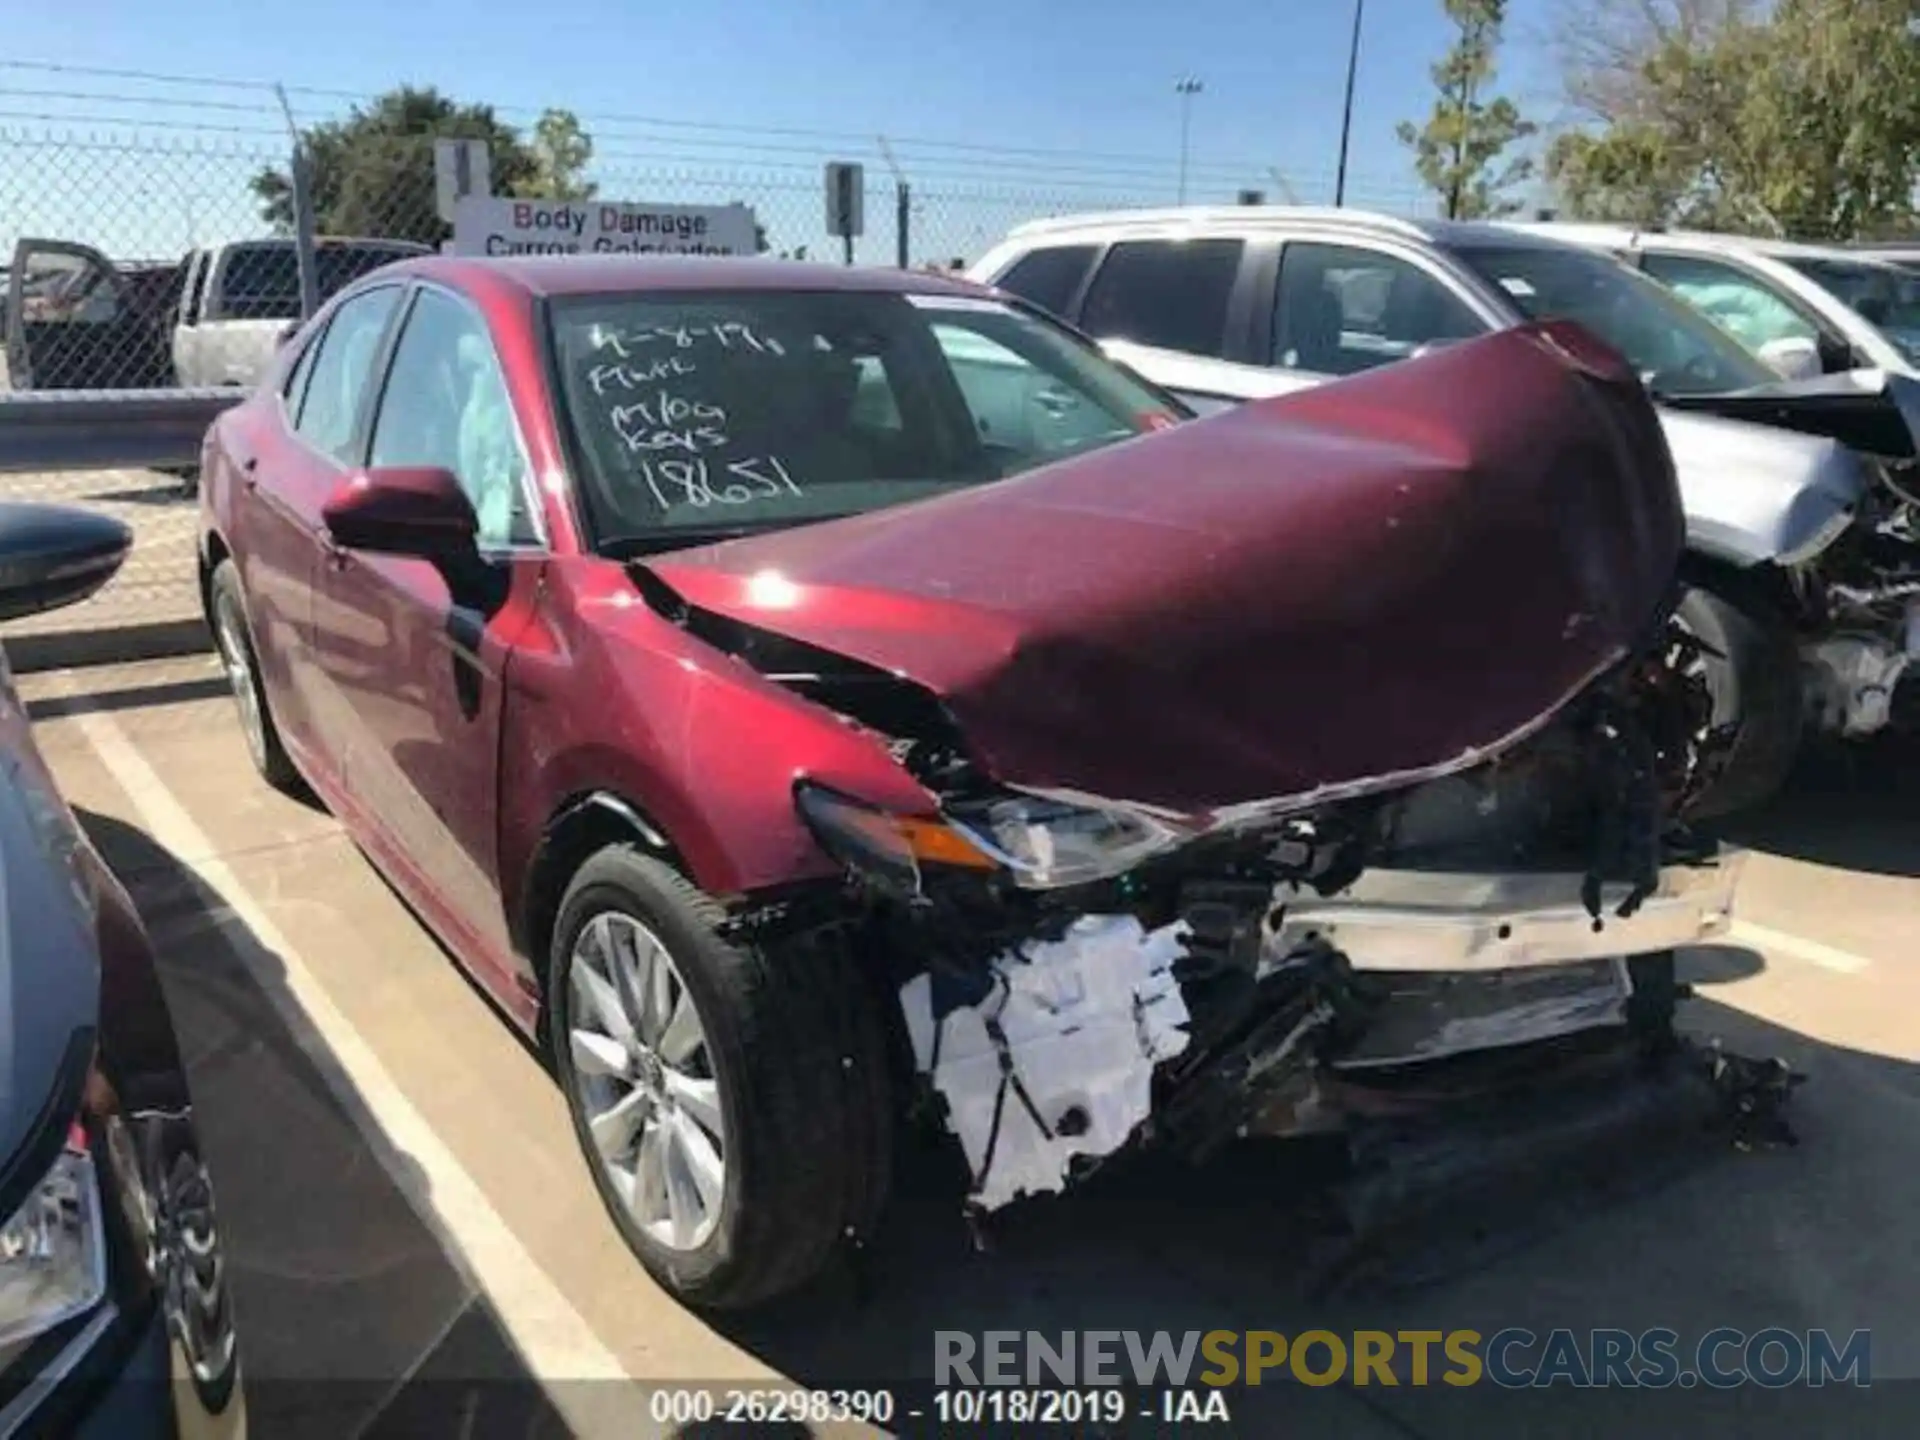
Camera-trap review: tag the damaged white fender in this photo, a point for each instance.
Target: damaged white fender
(1058, 1060)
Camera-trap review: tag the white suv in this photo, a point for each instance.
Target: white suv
(1221, 305)
(1805, 309)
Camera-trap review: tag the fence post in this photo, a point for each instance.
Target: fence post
(303, 226)
(303, 231)
(902, 221)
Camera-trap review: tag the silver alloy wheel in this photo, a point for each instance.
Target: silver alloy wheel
(644, 1081)
(238, 661)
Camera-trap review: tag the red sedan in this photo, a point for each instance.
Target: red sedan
(676, 636)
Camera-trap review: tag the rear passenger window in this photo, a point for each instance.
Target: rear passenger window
(1049, 278)
(1169, 293)
(341, 370)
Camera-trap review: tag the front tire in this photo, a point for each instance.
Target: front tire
(1756, 685)
(731, 1099)
(234, 640)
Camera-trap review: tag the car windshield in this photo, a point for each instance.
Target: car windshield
(1885, 297)
(702, 415)
(1676, 349)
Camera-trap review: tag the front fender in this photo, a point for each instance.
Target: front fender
(1754, 494)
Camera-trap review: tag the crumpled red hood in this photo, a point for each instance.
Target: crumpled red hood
(1339, 588)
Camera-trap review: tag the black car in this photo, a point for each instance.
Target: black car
(115, 1316)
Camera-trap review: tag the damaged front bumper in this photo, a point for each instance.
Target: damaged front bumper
(1084, 1042)
(1439, 921)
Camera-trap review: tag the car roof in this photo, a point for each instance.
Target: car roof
(1626, 235)
(1242, 218)
(544, 275)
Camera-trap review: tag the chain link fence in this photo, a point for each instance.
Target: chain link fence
(159, 232)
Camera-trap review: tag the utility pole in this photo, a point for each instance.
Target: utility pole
(1346, 114)
(1186, 88)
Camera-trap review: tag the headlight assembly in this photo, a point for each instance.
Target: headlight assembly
(1046, 844)
(1037, 844)
(53, 1262)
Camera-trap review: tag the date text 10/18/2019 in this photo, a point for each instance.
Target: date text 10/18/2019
(1073, 1407)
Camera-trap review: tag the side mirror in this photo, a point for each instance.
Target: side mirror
(1793, 357)
(402, 510)
(55, 555)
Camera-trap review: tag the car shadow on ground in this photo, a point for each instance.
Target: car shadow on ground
(1850, 806)
(1703, 1236)
(353, 1319)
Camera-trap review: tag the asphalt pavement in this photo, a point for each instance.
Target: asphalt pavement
(408, 1218)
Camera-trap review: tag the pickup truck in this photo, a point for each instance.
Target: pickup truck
(77, 321)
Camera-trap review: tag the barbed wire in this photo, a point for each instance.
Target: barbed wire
(922, 157)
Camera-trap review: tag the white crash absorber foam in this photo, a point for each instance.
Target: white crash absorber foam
(1084, 1020)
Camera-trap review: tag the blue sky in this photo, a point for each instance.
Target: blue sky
(753, 87)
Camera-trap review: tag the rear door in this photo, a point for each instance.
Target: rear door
(291, 454)
(72, 323)
(252, 295)
(1188, 296)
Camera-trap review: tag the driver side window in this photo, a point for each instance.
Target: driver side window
(446, 405)
(1341, 309)
(1738, 303)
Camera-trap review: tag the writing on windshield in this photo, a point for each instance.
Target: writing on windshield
(753, 408)
(681, 443)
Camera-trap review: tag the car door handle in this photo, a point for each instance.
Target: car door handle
(248, 469)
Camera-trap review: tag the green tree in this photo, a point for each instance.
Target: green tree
(1669, 155)
(1459, 149)
(562, 150)
(1802, 120)
(371, 173)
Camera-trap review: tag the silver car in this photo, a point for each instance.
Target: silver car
(1803, 511)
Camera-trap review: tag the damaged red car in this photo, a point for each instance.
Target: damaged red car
(795, 691)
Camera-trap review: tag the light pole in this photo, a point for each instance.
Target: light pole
(1186, 89)
(1346, 114)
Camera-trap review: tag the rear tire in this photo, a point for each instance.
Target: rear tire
(790, 1060)
(1756, 686)
(233, 638)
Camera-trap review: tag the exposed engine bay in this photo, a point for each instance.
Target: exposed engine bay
(1853, 592)
(1304, 973)
(1273, 813)
(1857, 604)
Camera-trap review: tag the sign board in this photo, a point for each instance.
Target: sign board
(460, 168)
(501, 225)
(846, 199)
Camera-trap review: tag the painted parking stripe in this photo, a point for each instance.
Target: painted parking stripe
(1827, 957)
(553, 1338)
